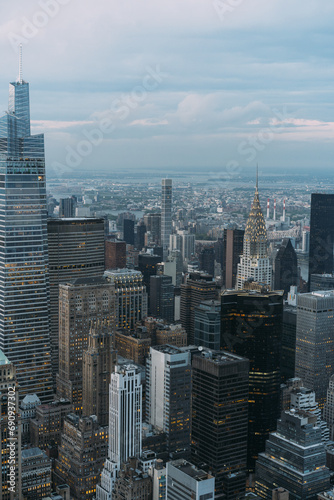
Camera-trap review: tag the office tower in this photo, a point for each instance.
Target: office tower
(321, 282)
(153, 228)
(175, 242)
(98, 364)
(285, 267)
(252, 327)
(24, 285)
(67, 207)
(132, 482)
(254, 263)
(321, 234)
(76, 250)
(134, 345)
(130, 297)
(82, 303)
(168, 393)
(220, 419)
(125, 425)
(294, 458)
(115, 254)
(304, 399)
(288, 345)
(10, 431)
(184, 480)
(36, 474)
(129, 231)
(83, 450)
(162, 297)
(329, 408)
(187, 244)
(166, 215)
(46, 426)
(207, 260)
(140, 235)
(315, 342)
(207, 324)
(232, 250)
(198, 288)
(159, 480)
(305, 241)
(147, 265)
(28, 411)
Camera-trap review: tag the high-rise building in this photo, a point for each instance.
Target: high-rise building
(315, 342)
(254, 263)
(83, 450)
(220, 419)
(166, 215)
(288, 345)
(134, 345)
(207, 324)
(285, 267)
(98, 364)
(185, 480)
(206, 259)
(24, 284)
(76, 250)
(36, 474)
(162, 297)
(320, 282)
(321, 234)
(115, 254)
(67, 207)
(132, 482)
(28, 411)
(153, 228)
(125, 425)
(329, 408)
(198, 287)
(304, 399)
(131, 297)
(129, 231)
(232, 250)
(252, 327)
(46, 426)
(82, 303)
(10, 432)
(294, 459)
(140, 236)
(187, 244)
(168, 394)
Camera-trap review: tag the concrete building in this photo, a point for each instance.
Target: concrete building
(315, 341)
(131, 297)
(207, 324)
(36, 474)
(133, 345)
(83, 450)
(132, 482)
(184, 480)
(321, 282)
(168, 394)
(174, 335)
(28, 411)
(294, 459)
(46, 427)
(219, 424)
(10, 432)
(82, 303)
(76, 250)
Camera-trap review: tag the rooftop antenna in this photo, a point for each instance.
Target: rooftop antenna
(20, 64)
(257, 177)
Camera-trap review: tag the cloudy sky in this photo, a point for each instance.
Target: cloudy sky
(179, 83)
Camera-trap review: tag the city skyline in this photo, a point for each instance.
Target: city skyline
(254, 86)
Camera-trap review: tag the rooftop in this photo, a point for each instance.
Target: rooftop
(3, 359)
(190, 469)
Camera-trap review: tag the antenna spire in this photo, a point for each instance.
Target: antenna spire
(257, 177)
(20, 63)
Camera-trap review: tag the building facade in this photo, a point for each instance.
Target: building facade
(162, 297)
(232, 250)
(166, 215)
(207, 324)
(285, 268)
(184, 480)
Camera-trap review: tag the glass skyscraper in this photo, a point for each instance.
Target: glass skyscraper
(166, 215)
(24, 289)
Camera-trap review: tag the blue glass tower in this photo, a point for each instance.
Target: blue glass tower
(24, 288)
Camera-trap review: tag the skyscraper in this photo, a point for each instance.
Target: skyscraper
(125, 425)
(24, 286)
(294, 459)
(285, 267)
(254, 263)
(207, 324)
(168, 393)
(314, 341)
(162, 297)
(321, 234)
(220, 419)
(232, 249)
(76, 250)
(166, 215)
(252, 327)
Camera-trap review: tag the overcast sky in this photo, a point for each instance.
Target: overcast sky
(178, 83)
